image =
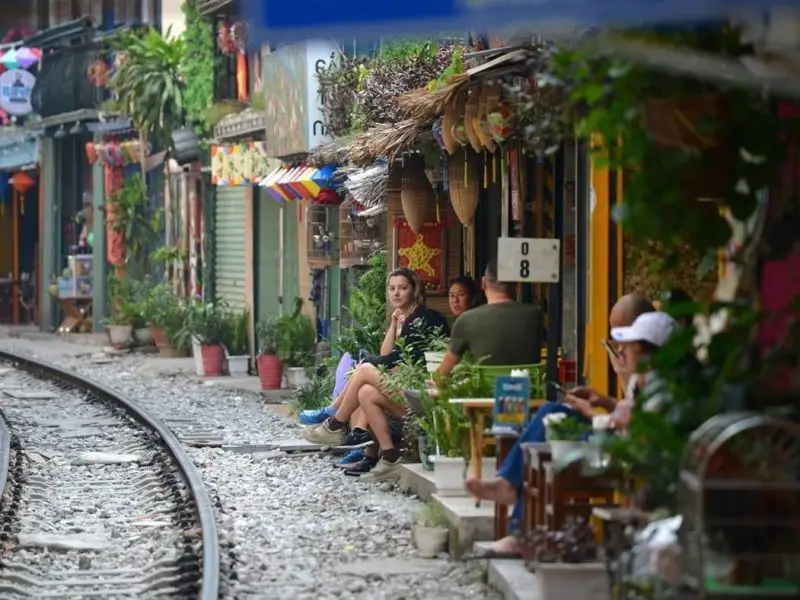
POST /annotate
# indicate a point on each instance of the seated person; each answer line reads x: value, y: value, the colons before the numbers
x: 411, y: 320
x: 463, y: 295
x: 500, y: 332
x: 580, y: 403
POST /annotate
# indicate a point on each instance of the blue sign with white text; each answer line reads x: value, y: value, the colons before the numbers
x: 511, y: 404
x: 280, y: 21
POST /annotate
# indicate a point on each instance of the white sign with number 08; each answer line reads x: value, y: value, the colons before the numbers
x: 528, y: 260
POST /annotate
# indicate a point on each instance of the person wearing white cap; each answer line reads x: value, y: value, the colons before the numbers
x: 648, y: 333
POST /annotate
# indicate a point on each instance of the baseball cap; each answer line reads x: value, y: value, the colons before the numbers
x: 653, y: 327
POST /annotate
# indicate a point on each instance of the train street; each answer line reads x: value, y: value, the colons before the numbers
x: 286, y: 522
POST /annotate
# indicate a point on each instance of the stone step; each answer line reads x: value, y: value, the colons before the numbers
x: 513, y: 581
x: 469, y: 523
x: 415, y: 479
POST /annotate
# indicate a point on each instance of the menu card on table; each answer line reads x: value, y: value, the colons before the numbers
x: 511, y: 399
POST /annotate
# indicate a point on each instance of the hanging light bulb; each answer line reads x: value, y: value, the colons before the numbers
x: 60, y: 133
x: 77, y: 129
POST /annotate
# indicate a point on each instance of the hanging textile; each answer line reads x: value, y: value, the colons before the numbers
x: 116, y: 240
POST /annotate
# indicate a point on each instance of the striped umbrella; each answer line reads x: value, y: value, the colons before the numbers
x: 27, y: 57
x: 9, y: 60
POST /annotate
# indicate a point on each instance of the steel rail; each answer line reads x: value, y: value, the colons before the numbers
x: 5, y: 454
x: 210, y: 581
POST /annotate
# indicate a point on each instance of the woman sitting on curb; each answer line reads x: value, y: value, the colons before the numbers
x: 410, y: 321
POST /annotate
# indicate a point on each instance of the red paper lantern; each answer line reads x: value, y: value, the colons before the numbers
x: 328, y: 197
x: 22, y: 182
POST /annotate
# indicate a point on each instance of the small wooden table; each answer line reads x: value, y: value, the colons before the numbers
x: 478, y: 411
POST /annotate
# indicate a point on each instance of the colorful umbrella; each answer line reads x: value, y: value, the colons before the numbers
x: 27, y: 57
x: 9, y: 60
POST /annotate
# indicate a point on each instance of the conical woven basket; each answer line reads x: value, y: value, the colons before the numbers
x: 452, y: 114
x: 464, y: 184
x: 470, y: 116
x: 481, y: 123
x: 416, y: 194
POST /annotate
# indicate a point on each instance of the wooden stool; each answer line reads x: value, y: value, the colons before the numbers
x: 536, y: 456
x: 569, y: 492
x: 503, y: 445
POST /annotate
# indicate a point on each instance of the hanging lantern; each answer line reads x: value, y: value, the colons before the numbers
x: 22, y: 182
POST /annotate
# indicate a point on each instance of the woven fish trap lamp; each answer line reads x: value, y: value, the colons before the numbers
x: 416, y: 193
x: 463, y: 179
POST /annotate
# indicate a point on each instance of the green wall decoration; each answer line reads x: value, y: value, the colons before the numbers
x: 198, y: 68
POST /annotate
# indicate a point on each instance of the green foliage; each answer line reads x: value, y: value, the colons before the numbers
x: 137, y: 222
x: 149, y: 83
x: 213, y: 114
x: 129, y: 298
x: 269, y: 336
x: 432, y: 514
x: 313, y: 394
x: 198, y: 67
x: 456, y: 67
x: 239, y: 327
x: 566, y: 428
x: 297, y: 337
x: 367, y: 311
x: 207, y: 321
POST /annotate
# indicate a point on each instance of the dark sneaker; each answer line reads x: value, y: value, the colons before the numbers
x: 365, y: 466
x: 358, y: 438
x: 350, y: 460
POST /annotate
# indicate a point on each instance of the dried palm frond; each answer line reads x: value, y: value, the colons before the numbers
x: 331, y: 151
x: 425, y: 105
x: 368, y: 186
x: 384, y: 141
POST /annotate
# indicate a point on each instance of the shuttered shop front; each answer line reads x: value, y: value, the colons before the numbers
x: 229, y: 241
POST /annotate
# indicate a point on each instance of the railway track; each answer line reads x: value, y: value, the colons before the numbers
x: 99, y: 499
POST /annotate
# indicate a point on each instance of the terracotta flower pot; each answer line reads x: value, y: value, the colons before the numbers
x: 159, y: 337
x: 270, y: 372
x: 213, y: 358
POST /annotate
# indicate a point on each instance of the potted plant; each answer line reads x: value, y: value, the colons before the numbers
x: 209, y: 323
x: 430, y: 530
x: 298, y: 351
x: 446, y: 425
x: 270, y: 370
x: 119, y: 329
x: 565, y: 434
x: 434, y: 355
x: 566, y: 562
x: 239, y: 345
x: 165, y: 315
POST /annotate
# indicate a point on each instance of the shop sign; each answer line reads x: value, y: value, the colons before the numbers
x: 319, y: 54
x: 528, y: 260
x: 16, y: 86
x: 282, y: 22
x: 239, y: 164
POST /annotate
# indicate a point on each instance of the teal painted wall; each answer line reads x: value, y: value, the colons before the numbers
x: 266, y: 255
x: 291, y: 271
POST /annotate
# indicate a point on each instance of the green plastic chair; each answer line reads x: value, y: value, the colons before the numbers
x: 537, y: 373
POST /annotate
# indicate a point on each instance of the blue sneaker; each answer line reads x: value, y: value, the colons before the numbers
x: 350, y: 460
x: 315, y: 417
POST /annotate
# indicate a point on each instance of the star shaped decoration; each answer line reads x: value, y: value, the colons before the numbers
x: 419, y: 256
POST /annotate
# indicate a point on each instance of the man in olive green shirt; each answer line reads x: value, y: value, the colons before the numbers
x: 501, y: 332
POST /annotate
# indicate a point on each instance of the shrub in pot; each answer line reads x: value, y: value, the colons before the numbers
x: 270, y: 370
x: 119, y: 329
x: 164, y: 314
x: 210, y: 324
x: 299, y: 343
x: 430, y: 530
x: 567, y: 562
x: 566, y: 435
x: 239, y: 345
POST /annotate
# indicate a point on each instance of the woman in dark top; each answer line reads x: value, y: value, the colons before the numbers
x: 412, y: 322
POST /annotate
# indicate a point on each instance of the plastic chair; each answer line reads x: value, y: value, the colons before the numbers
x: 536, y: 371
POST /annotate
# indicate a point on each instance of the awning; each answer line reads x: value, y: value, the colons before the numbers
x: 239, y: 164
x: 298, y: 182
x: 19, y: 154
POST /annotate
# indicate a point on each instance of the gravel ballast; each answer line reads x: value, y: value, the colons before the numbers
x: 292, y: 527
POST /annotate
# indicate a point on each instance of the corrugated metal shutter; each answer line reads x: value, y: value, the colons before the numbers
x: 229, y: 262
